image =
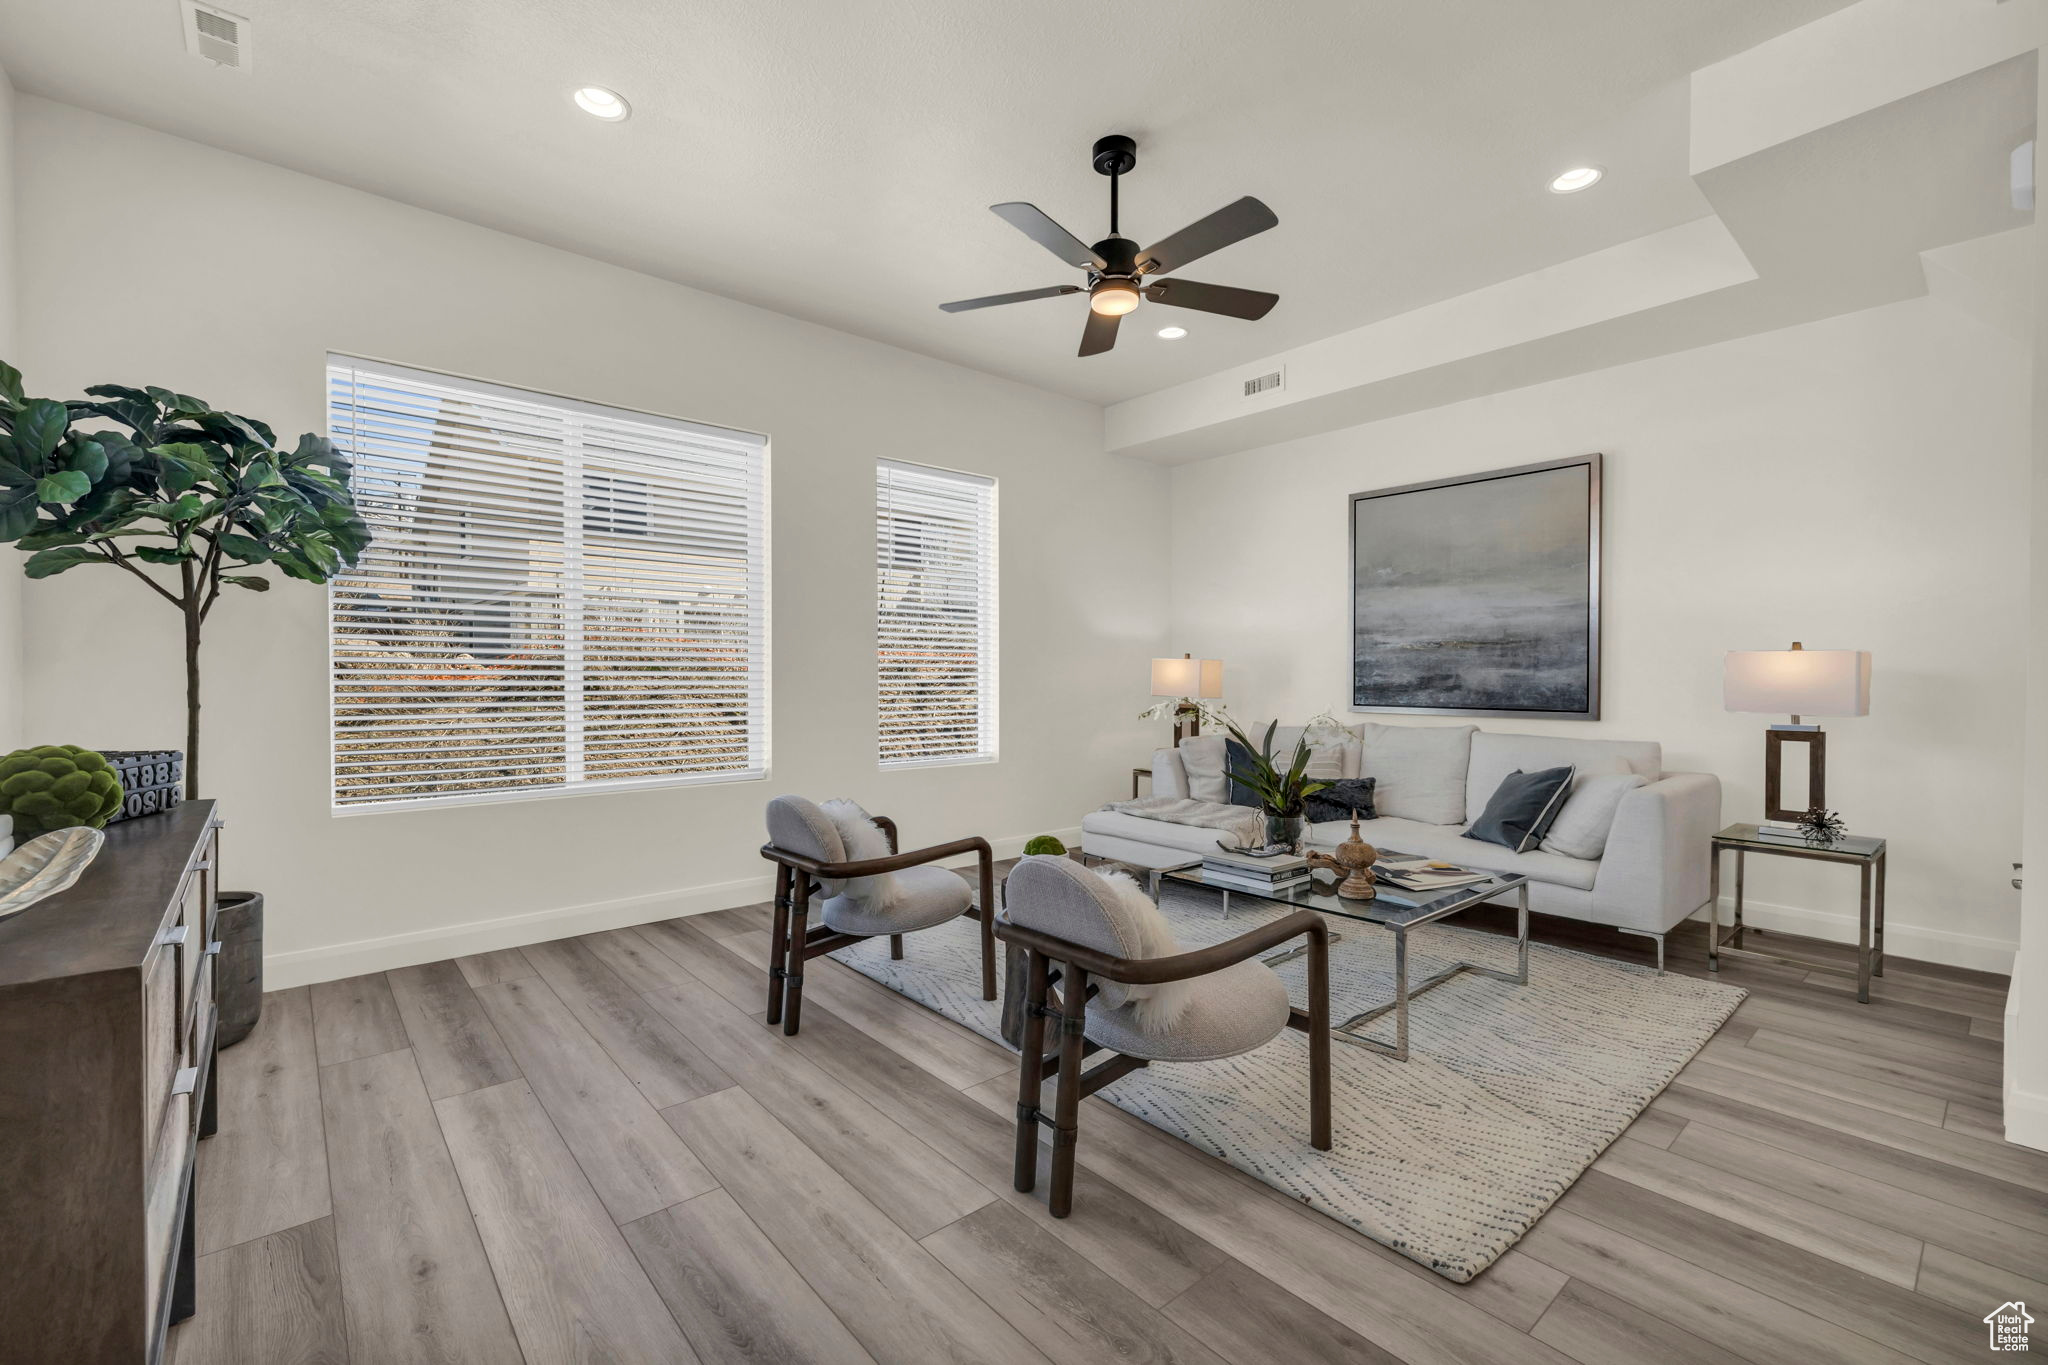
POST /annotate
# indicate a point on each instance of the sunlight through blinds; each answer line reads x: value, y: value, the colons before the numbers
x: 935, y: 615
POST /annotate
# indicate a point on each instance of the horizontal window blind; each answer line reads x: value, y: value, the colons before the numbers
x: 935, y: 617
x: 558, y: 596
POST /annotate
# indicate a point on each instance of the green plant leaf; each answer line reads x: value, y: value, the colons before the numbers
x: 89, y: 458
x: 244, y: 548
x: 66, y: 485
x: 51, y: 539
x: 10, y: 383
x: 183, y: 465
x: 38, y: 428
x: 249, y: 581
x: 262, y: 474
x: 14, y: 476
x: 158, y: 554
x: 46, y: 562
x: 18, y: 510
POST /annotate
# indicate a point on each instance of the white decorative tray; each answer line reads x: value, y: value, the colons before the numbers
x: 46, y: 865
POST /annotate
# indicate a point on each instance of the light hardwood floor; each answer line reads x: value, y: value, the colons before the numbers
x: 593, y: 1150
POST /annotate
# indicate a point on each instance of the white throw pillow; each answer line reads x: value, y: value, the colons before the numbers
x: 1580, y: 829
x: 1419, y: 770
x: 1203, y: 758
x: 863, y: 839
x: 1154, y: 1008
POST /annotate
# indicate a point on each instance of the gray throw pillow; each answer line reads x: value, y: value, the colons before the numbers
x: 1581, y: 828
x: 1202, y: 757
x: 1420, y: 770
x: 1522, y: 808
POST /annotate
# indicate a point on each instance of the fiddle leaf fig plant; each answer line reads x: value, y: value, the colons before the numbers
x: 147, y: 480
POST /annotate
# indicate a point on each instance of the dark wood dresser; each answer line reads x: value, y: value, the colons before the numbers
x: 106, y: 1085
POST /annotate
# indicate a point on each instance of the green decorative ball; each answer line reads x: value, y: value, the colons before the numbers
x: 57, y: 786
x: 1045, y: 843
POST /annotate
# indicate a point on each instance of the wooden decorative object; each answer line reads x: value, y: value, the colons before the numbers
x: 1816, y: 742
x: 1355, y: 858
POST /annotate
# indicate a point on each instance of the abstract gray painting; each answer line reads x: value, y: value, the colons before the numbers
x: 1481, y: 595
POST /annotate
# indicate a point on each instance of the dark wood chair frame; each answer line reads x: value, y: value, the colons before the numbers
x: 793, y: 940
x: 1076, y: 975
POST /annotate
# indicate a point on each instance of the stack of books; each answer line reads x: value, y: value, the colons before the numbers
x: 1250, y: 872
x: 1780, y: 832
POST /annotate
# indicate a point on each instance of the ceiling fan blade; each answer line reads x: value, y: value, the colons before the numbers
x: 1021, y: 296
x: 1099, y: 335
x: 1031, y: 220
x: 1250, y: 304
x: 1231, y: 223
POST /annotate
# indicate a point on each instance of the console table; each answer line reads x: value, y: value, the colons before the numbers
x: 1864, y: 853
x: 107, y: 1083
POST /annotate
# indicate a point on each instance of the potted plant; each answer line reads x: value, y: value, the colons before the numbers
x: 128, y: 478
x: 188, y: 500
x: 1280, y: 791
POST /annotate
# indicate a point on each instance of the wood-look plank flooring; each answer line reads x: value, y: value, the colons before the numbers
x: 594, y: 1150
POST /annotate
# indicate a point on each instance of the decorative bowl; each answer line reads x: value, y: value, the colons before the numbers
x: 46, y: 865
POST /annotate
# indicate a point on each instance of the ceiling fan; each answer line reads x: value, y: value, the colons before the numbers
x: 1120, y: 273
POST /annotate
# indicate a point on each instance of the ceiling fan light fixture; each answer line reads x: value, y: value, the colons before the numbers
x: 1576, y: 179
x: 599, y: 102
x: 1113, y: 298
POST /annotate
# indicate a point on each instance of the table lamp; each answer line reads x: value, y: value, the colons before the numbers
x: 1796, y: 682
x: 1187, y: 678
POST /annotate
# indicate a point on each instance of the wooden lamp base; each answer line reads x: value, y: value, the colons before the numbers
x: 1816, y: 742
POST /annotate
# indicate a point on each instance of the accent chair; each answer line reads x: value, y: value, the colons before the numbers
x: 811, y: 862
x: 1059, y: 912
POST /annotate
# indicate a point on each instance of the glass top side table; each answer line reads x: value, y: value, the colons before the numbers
x: 1866, y: 853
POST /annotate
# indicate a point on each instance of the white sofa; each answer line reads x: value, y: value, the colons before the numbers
x: 1653, y: 873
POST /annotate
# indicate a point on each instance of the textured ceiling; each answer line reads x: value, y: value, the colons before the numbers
x: 835, y: 161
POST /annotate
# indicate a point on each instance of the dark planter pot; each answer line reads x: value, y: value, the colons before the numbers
x: 238, y: 971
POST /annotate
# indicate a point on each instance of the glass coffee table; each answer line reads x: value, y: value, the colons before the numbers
x: 1320, y: 893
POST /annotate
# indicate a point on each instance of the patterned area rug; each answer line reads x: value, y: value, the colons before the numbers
x: 1508, y: 1094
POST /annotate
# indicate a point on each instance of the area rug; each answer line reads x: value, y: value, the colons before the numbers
x: 1509, y: 1092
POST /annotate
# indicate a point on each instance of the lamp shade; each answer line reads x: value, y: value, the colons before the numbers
x: 1187, y: 677
x: 1797, y: 682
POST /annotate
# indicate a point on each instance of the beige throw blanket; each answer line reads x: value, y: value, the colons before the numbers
x: 1244, y: 824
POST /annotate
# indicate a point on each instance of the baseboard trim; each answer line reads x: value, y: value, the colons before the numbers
x: 2026, y: 1118
x: 331, y: 962
x: 1943, y: 946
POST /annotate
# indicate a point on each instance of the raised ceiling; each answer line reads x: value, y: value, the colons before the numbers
x: 834, y: 161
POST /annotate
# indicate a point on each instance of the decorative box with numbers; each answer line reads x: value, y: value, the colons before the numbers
x: 152, y: 780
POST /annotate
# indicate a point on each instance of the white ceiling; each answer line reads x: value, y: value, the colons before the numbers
x: 834, y: 160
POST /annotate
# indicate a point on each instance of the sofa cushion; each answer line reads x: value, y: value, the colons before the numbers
x: 1449, y: 844
x: 1203, y: 759
x: 1580, y: 829
x: 1519, y: 812
x: 1419, y: 770
x: 1495, y: 755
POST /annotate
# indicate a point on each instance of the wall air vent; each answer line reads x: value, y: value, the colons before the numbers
x: 1265, y: 383
x: 216, y: 35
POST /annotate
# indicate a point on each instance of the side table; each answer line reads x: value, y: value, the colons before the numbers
x: 1866, y: 853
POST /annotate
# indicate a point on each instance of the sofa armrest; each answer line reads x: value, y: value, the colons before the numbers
x: 1169, y: 775
x: 1657, y: 866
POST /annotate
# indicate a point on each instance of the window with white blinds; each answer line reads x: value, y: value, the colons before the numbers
x: 935, y: 615
x: 559, y: 597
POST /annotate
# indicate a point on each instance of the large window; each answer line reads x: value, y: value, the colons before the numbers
x: 935, y: 614
x: 560, y: 597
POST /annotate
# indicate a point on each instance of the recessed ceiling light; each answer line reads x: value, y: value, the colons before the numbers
x: 1576, y: 179
x: 1173, y: 333
x: 599, y: 102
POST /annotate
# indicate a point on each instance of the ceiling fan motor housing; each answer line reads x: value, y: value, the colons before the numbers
x: 1115, y: 154
x: 1119, y: 256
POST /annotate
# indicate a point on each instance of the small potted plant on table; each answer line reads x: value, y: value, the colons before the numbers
x: 1279, y: 791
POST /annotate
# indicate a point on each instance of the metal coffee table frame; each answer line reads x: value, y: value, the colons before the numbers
x: 1321, y: 896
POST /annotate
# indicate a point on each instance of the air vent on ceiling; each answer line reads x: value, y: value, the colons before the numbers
x: 215, y: 34
x: 1265, y: 383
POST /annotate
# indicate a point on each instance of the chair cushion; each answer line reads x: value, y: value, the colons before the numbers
x: 921, y: 897
x: 802, y: 827
x: 1448, y: 843
x: 863, y: 840
x: 1107, y: 912
x: 1419, y: 770
x: 1227, y: 1012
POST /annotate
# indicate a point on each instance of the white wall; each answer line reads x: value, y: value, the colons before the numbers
x: 10, y: 583
x: 235, y: 282
x: 1857, y: 483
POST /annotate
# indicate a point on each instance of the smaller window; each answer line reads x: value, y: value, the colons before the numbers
x: 935, y: 615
